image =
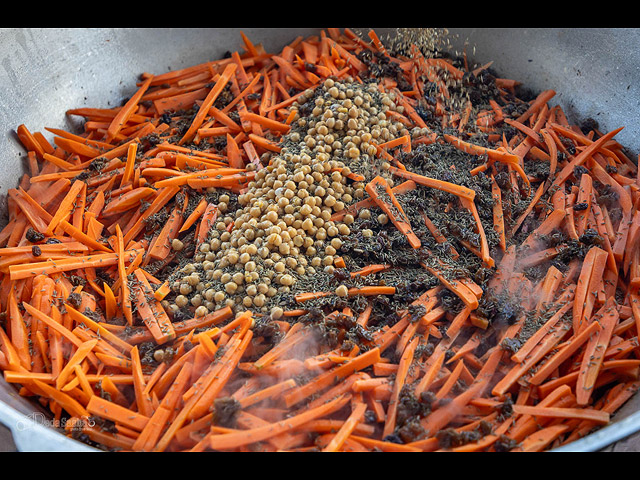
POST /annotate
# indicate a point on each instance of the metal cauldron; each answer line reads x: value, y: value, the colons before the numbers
x: 595, y: 72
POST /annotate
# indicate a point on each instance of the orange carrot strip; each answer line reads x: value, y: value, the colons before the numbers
x: 393, y: 211
x: 341, y: 436
x: 127, y: 200
x: 594, y: 352
x: 325, y: 379
x: 237, y: 439
x: 213, y: 94
x: 401, y: 375
x: 151, y: 311
x: 66, y: 206
x: 126, y: 112
x: 582, y: 157
x: 112, y: 411
x: 452, y: 188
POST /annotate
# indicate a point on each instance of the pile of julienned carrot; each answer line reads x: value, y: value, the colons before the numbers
x: 104, y: 218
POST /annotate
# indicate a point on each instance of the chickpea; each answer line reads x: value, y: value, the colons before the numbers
x: 287, y: 280
x: 365, y: 214
x: 209, y: 294
x: 344, y: 229
x: 259, y: 300
x: 159, y: 355
x: 276, y: 313
x: 232, y: 258
x: 251, y: 290
x: 177, y: 245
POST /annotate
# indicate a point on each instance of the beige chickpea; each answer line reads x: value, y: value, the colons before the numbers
x: 364, y: 214
x: 231, y: 287
x: 342, y: 291
x: 181, y: 301
x: 276, y: 313
x: 284, y: 249
x: 177, y: 245
x: 232, y: 257
x: 287, y: 280
x: 330, y: 200
x: 259, y: 300
x: 344, y: 229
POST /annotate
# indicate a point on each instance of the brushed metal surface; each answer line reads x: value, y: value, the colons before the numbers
x: 45, y: 71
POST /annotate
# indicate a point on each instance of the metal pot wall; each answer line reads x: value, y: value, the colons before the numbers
x: 46, y: 71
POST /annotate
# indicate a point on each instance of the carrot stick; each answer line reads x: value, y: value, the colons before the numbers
x: 582, y: 157
x: 498, y: 213
x: 325, y: 379
x: 401, y: 374
x: 125, y: 113
x: 597, y: 416
x: 347, y: 428
x: 111, y: 411
x: 194, y: 216
x: 152, y: 313
x: 213, y: 94
x: 394, y: 211
x: 65, y: 207
x: 454, y: 189
x: 158, y: 419
x: 237, y: 439
x: 594, y: 353
x: 542, y: 438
